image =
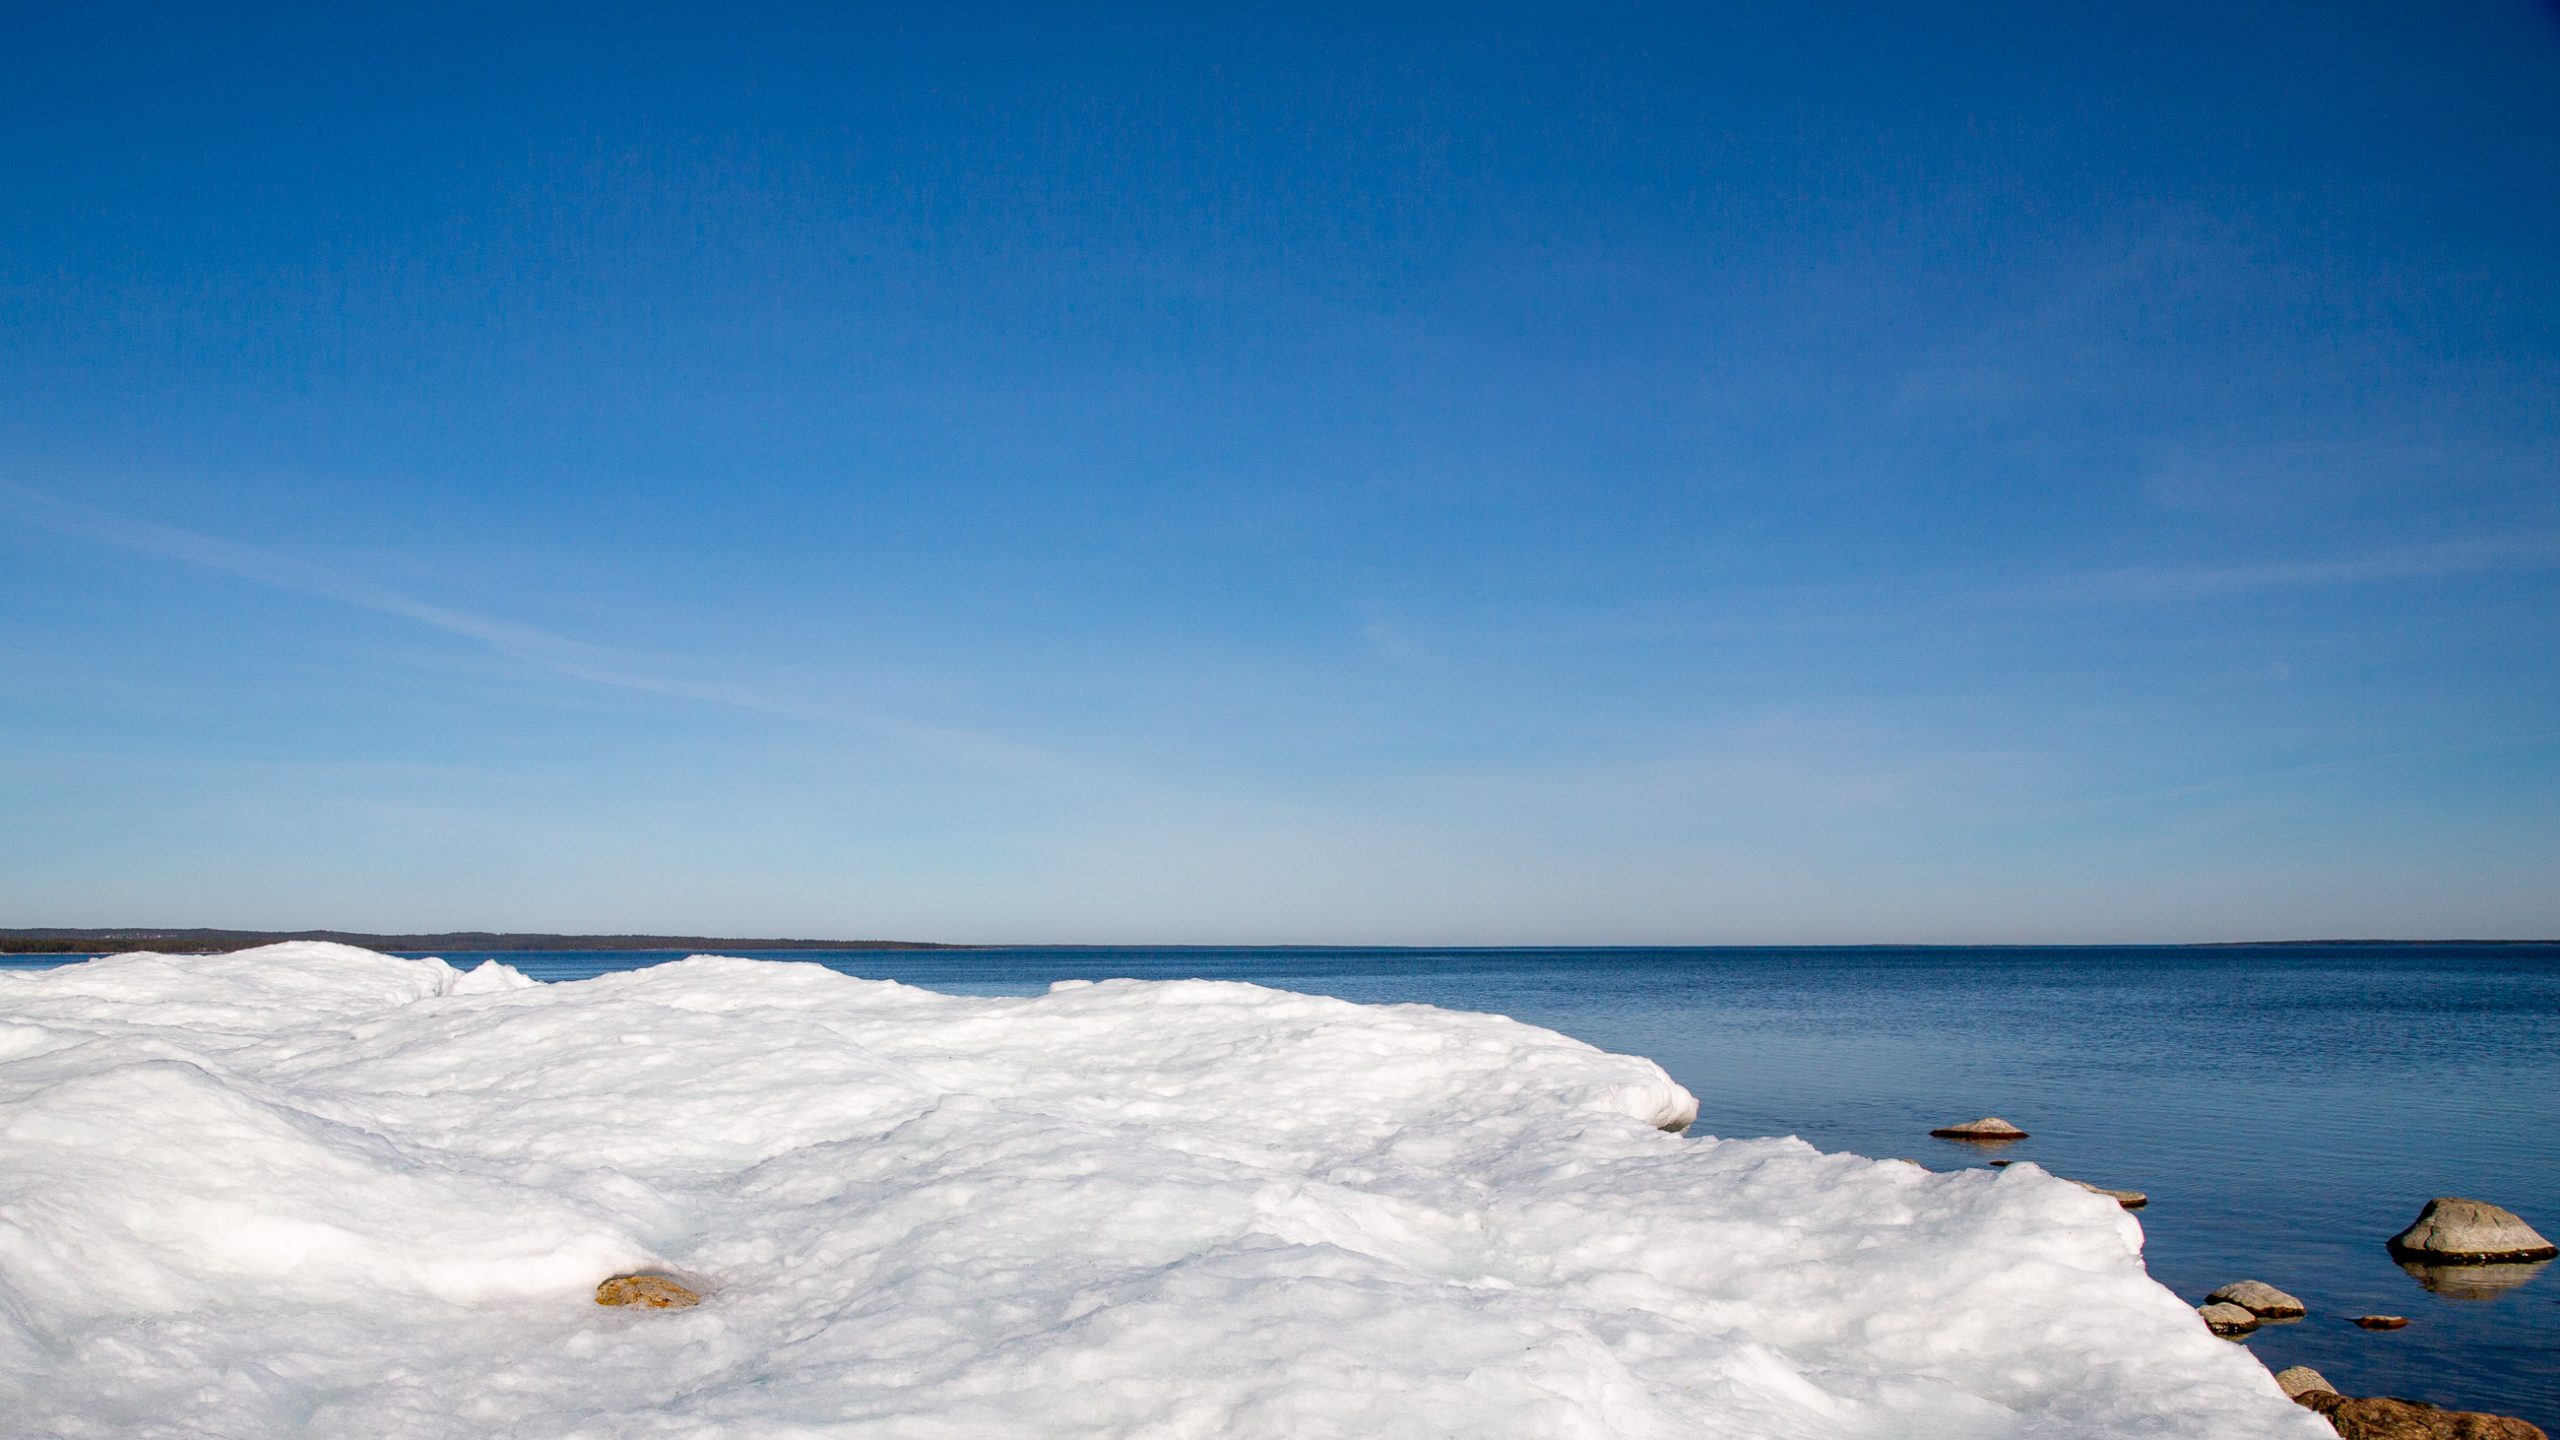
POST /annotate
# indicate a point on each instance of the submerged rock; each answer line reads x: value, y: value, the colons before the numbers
x: 2452, y: 1230
x: 2260, y: 1299
x: 1989, y: 1127
x: 2224, y: 1318
x: 649, y: 1292
x: 2301, y: 1380
x: 2383, y: 1418
x: 2129, y: 1199
x: 2383, y: 1322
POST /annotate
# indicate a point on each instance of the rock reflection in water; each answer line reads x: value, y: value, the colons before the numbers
x: 2473, y: 1282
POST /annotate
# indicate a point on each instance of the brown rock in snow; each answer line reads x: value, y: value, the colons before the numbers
x: 649, y: 1292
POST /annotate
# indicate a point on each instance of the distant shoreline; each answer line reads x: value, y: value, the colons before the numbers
x: 216, y: 942
x: 67, y: 941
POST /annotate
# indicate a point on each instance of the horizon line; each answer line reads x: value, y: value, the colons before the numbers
x: 512, y: 942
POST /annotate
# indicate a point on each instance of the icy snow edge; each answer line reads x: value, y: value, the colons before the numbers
x: 313, y: 1190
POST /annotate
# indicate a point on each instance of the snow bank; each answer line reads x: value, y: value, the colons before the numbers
x: 311, y: 1190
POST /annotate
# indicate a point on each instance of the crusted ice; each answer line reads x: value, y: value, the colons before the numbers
x: 310, y: 1190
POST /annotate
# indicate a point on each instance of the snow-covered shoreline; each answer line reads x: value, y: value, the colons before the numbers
x: 312, y: 1190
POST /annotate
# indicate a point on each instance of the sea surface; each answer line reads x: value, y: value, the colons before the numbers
x: 2286, y: 1108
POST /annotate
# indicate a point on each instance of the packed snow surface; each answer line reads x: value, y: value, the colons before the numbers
x: 311, y: 1190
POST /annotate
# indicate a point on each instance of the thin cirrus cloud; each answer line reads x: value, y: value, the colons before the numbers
x: 540, y: 649
x: 2170, y: 583
x: 528, y: 645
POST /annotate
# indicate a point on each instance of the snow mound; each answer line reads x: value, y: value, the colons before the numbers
x: 311, y: 1190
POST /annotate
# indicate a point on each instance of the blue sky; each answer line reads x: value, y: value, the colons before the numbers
x: 1653, y: 473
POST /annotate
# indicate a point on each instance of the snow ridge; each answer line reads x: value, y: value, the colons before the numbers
x: 313, y: 1190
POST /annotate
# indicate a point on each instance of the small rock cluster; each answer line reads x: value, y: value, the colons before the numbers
x: 2451, y: 1235
x: 2452, y: 1238
x: 2240, y: 1307
x: 2383, y: 1418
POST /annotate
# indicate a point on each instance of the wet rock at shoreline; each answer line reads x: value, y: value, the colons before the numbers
x: 648, y: 1292
x: 2456, y: 1231
x: 2129, y: 1199
x: 2301, y: 1380
x: 1989, y: 1127
x: 2260, y: 1299
x: 2223, y: 1318
x: 2383, y: 1418
x: 2383, y: 1322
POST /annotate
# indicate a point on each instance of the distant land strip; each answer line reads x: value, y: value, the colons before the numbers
x: 216, y: 942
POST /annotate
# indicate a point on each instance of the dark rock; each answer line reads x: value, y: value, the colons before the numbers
x: 2455, y: 1231
x: 2382, y: 1418
x: 2129, y: 1199
x: 2383, y: 1322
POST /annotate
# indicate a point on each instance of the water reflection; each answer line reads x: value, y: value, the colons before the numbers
x: 2473, y: 1282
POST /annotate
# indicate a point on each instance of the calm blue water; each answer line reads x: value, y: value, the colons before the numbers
x: 2286, y: 1108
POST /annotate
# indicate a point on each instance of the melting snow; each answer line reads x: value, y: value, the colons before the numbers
x: 311, y: 1190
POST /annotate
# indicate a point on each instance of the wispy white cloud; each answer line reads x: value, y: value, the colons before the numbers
x: 543, y: 650
x: 2056, y: 333
x: 530, y: 645
x: 2411, y: 562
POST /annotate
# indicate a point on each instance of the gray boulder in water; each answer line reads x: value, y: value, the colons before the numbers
x: 2452, y: 1230
x: 2260, y: 1299
x: 1989, y: 1127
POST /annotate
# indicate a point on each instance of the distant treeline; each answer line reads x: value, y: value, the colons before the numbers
x: 215, y: 942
